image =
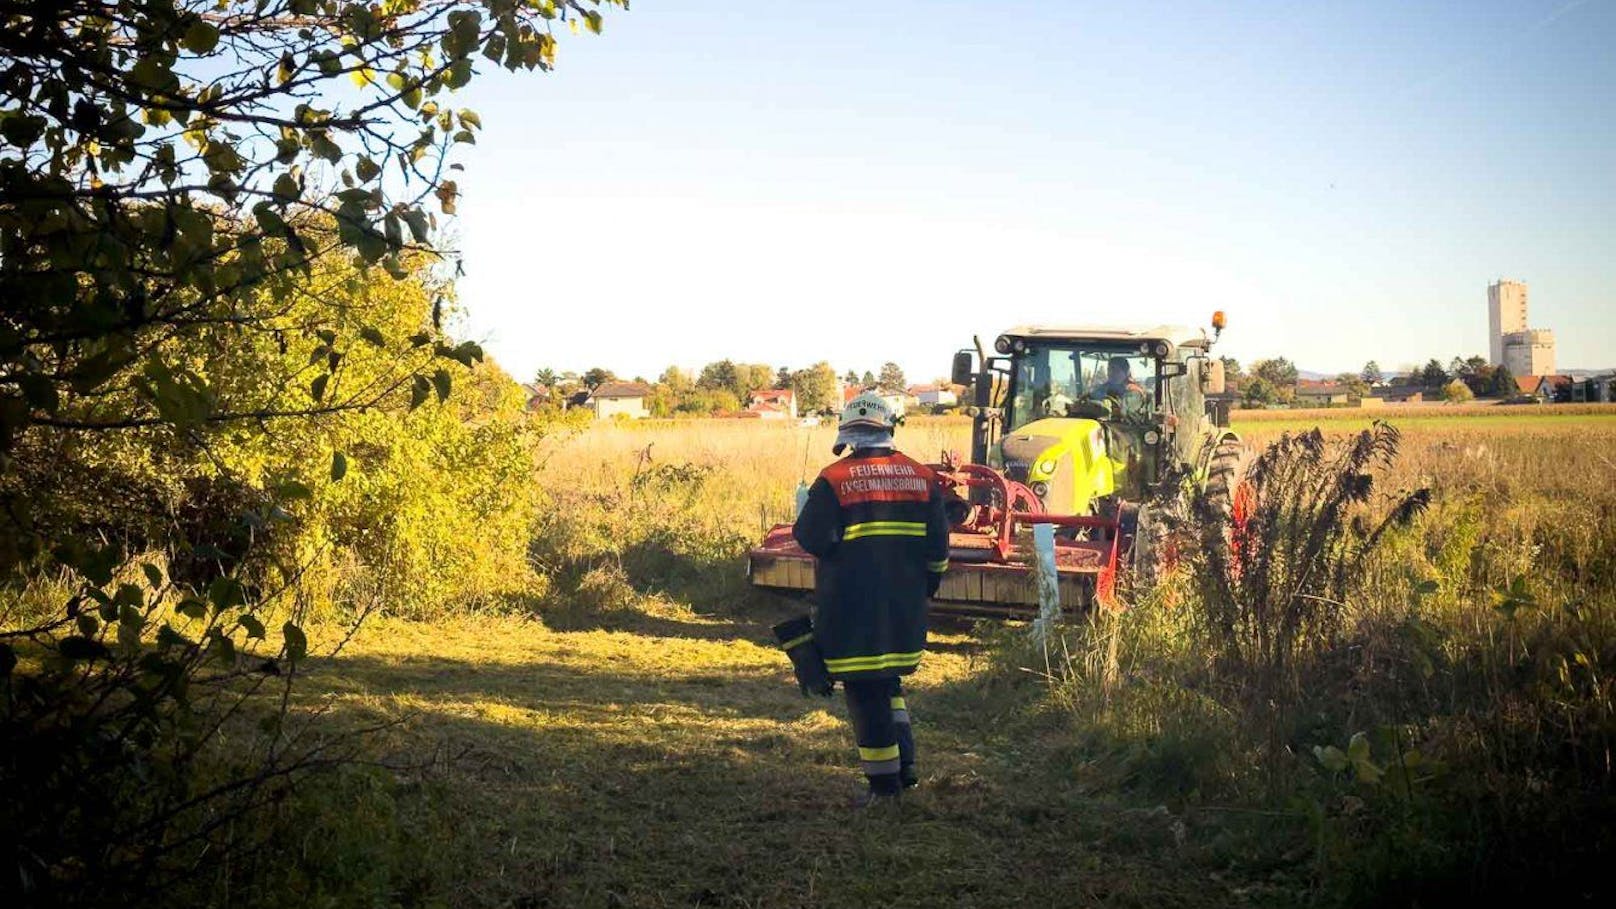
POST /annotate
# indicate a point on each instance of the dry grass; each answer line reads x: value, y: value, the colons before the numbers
x: 1425, y: 410
x: 647, y: 748
x: 674, y: 764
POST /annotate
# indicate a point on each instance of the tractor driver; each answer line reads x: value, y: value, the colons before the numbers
x: 1119, y: 384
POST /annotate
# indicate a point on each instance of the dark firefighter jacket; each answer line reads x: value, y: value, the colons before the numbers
x: 875, y: 522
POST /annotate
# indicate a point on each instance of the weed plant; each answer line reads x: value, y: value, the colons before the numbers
x: 1424, y: 720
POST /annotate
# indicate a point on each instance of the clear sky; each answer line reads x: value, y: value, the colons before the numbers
x: 782, y: 182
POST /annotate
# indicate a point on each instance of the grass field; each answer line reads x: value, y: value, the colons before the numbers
x: 676, y: 765
x: 631, y: 739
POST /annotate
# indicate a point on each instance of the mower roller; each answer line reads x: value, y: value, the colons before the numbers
x: 1111, y: 435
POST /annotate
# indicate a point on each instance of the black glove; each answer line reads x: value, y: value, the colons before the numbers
x: 796, y: 638
x: 934, y: 580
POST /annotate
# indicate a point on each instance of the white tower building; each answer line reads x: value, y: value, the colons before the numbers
x: 1506, y: 314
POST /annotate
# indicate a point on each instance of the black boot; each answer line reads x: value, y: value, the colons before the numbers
x: 883, y: 790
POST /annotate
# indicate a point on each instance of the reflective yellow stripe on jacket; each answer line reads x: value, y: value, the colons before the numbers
x: 867, y: 663
x: 884, y: 529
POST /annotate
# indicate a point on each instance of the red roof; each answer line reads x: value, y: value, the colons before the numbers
x: 774, y: 394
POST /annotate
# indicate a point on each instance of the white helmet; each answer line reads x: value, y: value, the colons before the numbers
x: 867, y: 422
x: 869, y: 409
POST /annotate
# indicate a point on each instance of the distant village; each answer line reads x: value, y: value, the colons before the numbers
x: 735, y: 390
x: 1520, y: 369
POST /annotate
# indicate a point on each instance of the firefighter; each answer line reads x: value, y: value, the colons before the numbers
x: 875, y: 522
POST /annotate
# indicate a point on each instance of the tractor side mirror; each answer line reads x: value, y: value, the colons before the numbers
x: 961, y: 374
x: 1212, y: 380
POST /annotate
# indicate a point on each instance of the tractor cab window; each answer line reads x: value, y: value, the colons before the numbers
x: 1079, y: 380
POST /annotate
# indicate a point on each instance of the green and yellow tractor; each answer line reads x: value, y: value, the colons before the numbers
x: 1110, y: 434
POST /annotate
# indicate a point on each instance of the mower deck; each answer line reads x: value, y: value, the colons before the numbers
x: 976, y: 583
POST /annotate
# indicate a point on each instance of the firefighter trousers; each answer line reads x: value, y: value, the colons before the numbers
x: 886, y: 741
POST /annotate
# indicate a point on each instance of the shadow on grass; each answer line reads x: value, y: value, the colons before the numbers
x: 641, y: 620
x: 568, y: 785
x: 542, y: 690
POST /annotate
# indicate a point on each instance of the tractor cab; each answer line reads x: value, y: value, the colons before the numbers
x: 1083, y: 415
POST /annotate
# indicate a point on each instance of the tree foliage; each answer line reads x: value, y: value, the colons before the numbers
x: 1259, y: 392
x: 892, y: 379
x: 1457, y: 392
x: 165, y: 162
x: 1278, y: 372
x: 188, y: 562
x: 227, y: 392
x: 1433, y: 375
x: 1353, y: 383
x: 815, y: 388
x: 1503, y: 384
x: 739, y: 379
x: 717, y: 375
x: 677, y: 380
x: 1371, y: 373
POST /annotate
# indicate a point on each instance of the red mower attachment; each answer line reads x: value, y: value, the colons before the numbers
x: 992, y: 568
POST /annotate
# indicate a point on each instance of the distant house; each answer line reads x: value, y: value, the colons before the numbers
x: 774, y: 404
x: 1322, y: 394
x: 1400, y: 394
x: 613, y: 399
x: 537, y: 395
x: 1539, y: 387
x: 761, y: 411
x: 1593, y: 390
x: 934, y: 395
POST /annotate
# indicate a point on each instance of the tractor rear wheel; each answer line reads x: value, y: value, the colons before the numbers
x: 1155, y: 549
x: 1224, y: 476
